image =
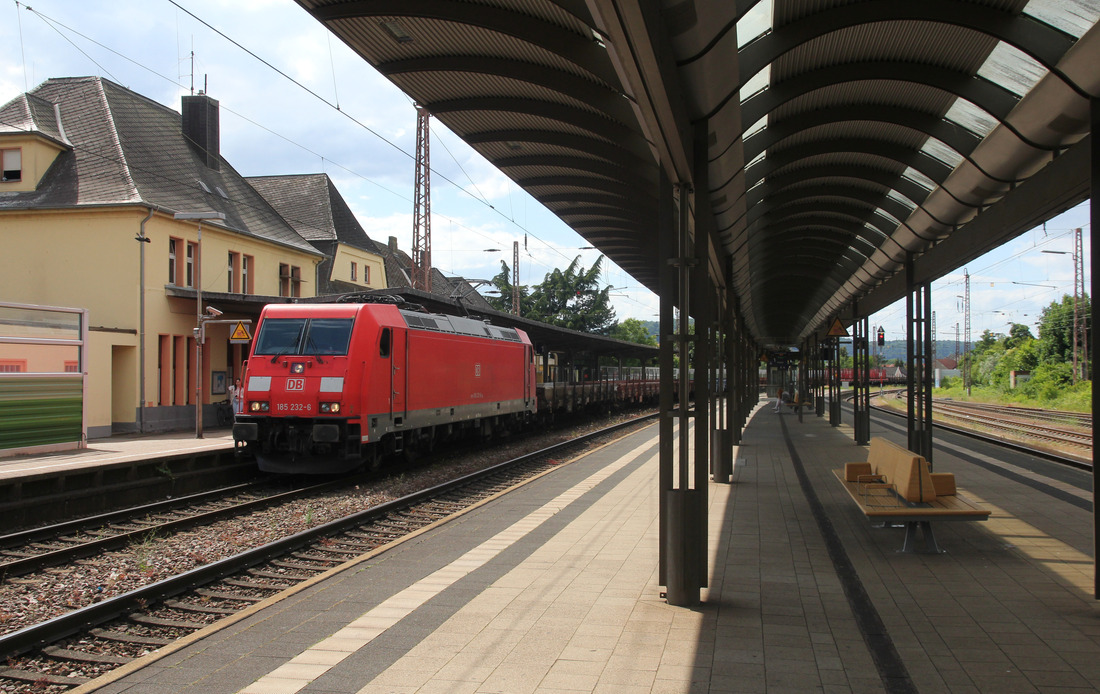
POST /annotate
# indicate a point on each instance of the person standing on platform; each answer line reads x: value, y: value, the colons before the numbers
x: 235, y: 395
x: 778, y: 399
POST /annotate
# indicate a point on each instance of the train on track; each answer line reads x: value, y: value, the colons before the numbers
x: 330, y: 388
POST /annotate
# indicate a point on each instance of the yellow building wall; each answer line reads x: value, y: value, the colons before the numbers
x: 88, y: 258
x: 346, y: 255
x: 37, y: 155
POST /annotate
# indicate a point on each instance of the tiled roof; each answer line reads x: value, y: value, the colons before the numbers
x: 128, y: 149
x: 314, y: 207
x: 30, y: 113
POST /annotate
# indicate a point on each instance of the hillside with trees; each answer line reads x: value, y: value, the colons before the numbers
x: 1048, y: 358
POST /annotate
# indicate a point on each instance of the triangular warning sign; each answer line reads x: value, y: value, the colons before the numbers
x: 837, y: 330
x: 240, y: 332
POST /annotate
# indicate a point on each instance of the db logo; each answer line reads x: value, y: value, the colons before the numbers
x: 295, y: 384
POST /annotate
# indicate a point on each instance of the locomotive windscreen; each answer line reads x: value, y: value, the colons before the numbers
x: 279, y: 336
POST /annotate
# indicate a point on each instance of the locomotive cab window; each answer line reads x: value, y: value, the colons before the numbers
x: 327, y: 336
x: 384, y: 344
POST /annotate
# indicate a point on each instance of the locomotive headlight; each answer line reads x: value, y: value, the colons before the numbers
x: 298, y: 367
x: 330, y: 407
x: 258, y: 406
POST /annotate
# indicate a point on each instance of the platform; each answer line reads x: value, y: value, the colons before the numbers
x: 553, y: 588
x: 124, y: 448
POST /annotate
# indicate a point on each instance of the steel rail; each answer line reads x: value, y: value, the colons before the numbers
x: 18, y: 642
x: 25, y: 565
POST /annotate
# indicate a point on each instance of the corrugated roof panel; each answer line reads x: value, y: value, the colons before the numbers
x: 439, y: 39
x: 853, y: 130
x: 928, y: 43
x: 466, y: 122
x: 443, y: 86
x: 918, y: 97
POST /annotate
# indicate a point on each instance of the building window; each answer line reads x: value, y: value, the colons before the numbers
x: 353, y: 273
x: 246, y: 274
x: 13, y: 164
x: 366, y: 274
x: 232, y: 271
x: 189, y: 279
x: 13, y: 366
x: 290, y: 280
x: 72, y: 367
x: 172, y: 246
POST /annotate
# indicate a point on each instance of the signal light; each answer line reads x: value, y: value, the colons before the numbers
x: 330, y: 407
x: 258, y: 406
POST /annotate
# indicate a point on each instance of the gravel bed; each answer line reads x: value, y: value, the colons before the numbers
x: 34, y: 598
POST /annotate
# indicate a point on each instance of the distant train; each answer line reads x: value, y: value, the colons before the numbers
x: 884, y: 375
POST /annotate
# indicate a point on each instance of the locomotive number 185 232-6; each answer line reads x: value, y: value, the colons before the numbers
x: 293, y: 407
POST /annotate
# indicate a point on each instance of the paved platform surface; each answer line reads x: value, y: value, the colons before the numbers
x: 123, y: 448
x: 552, y: 588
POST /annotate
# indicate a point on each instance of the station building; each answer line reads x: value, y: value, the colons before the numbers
x: 94, y: 175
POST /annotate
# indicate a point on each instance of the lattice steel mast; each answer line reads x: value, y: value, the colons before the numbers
x: 422, y: 206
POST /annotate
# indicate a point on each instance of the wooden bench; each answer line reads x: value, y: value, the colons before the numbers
x: 895, y: 485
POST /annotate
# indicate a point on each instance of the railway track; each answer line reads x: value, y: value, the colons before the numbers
x: 1067, y: 434
x: 35, y: 549
x: 1006, y: 421
x: 78, y: 646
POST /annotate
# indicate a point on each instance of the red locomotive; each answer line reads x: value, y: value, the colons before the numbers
x: 330, y: 387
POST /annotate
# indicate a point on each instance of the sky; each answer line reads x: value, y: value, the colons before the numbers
x: 302, y: 102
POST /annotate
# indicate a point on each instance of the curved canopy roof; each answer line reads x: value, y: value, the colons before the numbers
x: 826, y: 141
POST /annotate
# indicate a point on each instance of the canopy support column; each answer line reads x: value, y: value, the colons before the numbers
x: 918, y: 362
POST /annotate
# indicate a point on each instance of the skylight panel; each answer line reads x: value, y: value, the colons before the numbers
x: 1012, y: 69
x: 757, y: 159
x: 969, y: 116
x: 1074, y: 17
x: 756, y: 22
x: 901, y: 199
x: 937, y: 149
x: 757, y: 83
x: 757, y: 127
x: 919, y: 178
x: 883, y: 213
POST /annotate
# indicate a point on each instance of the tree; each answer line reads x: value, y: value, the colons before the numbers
x: 1018, y: 335
x: 1056, y: 330
x: 503, y: 283
x: 632, y: 330
x: 572, y: 299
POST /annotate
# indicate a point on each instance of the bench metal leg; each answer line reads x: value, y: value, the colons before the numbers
x: 910, y: 543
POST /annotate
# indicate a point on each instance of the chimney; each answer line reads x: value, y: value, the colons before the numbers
x: 200, y: 128
x: 393, y: 244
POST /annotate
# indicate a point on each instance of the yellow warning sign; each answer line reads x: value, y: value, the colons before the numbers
x: 240, y: 332
x: 837, y: 330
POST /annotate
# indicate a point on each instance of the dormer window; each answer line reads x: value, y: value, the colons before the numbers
x: 13, y: 165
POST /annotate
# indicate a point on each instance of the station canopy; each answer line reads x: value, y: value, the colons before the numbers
x: 825, y: 142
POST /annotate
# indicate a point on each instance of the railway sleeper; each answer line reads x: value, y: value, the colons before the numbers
x: 294, y: 565
x: 42, y: 678
x: 150, y: 620
x: 274, y: 574
x: 218, y: 595
x: 192, y: 607
x: 108, y: 635
x: 332, y: 561
x: 84, y: 657
x: 255, y: 585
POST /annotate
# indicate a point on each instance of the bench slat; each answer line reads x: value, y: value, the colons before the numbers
x: 879, y: 502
